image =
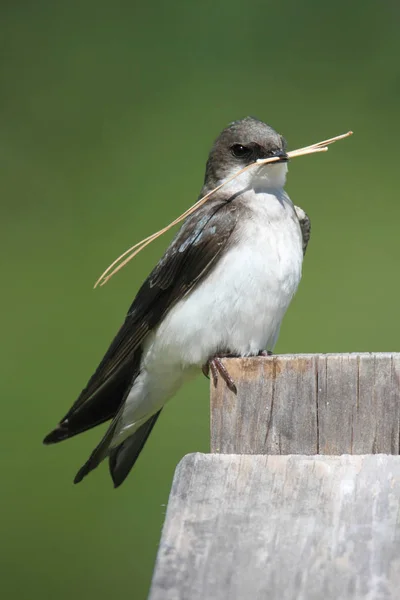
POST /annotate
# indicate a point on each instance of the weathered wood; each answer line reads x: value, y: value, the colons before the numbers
x: 282, y: 528
x: 308, y: 404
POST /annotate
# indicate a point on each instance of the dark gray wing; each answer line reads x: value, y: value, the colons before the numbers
x: 188, y: 259
x: 305, y: 226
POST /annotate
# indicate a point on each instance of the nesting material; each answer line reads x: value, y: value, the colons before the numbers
x: 124, y: 258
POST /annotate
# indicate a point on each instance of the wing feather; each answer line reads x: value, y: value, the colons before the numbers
x: 305, y: 226
x: 190, y: 256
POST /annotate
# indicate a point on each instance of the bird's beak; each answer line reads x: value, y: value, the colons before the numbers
x: 282, y: 155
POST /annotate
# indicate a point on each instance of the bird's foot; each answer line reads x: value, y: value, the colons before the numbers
x: 265, y: 353
x: 216, y: 367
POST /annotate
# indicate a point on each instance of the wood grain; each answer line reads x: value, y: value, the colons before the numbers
x: 282, y: 528
x: 308, y: 404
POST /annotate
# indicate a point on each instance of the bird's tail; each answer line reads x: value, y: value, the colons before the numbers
x: 124, y: 456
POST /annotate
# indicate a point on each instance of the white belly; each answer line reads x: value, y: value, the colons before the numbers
x: 239, y: 306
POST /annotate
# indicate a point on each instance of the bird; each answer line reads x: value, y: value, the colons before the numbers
x: 221, y: 289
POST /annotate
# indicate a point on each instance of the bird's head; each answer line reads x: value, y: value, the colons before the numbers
x: 240, y: 144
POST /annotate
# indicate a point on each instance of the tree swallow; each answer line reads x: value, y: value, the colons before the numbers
x: 221, y: 289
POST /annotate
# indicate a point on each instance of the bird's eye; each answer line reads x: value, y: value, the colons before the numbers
x: 240, y: 151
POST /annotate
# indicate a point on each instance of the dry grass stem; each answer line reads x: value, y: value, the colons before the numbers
x: 127, y: 256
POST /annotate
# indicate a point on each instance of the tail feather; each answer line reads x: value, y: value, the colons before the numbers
x: 99, y: 453
x: 124, y: 456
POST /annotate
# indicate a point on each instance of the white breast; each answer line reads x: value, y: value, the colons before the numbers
x: 239, y: 306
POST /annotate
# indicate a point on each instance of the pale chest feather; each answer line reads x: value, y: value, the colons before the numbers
x: 262, y: 271
x: 241, y: 302
x: 269, y: 252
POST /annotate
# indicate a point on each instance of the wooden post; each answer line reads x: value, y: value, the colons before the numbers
x: 300, y: 526
x: 308, y: 404
x: 281, y: 528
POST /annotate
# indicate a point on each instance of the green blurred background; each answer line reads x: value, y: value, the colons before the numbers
x: 107, y: 113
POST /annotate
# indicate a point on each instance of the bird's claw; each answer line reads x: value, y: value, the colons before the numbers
x: 216, y: 366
